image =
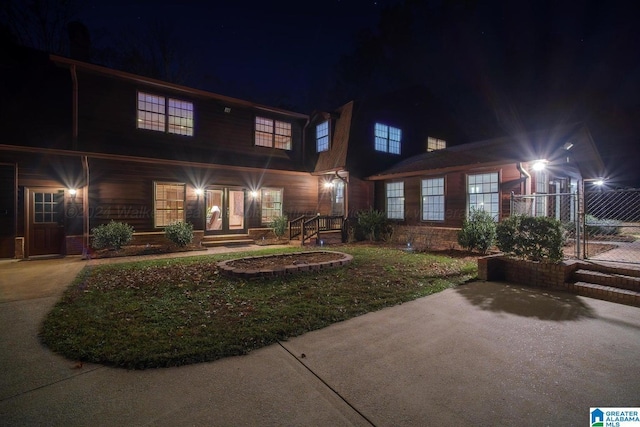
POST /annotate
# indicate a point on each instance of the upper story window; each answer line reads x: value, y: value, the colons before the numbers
x: 436, y: 144
x: 322, y: 136
x: 165, y: 114
x: 387, y: 138
x: 273, y: 133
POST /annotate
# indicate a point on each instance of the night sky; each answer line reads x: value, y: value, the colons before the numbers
x: 502, y: 66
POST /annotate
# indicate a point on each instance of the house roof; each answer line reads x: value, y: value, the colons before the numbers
x: 68, y: 62
x: 582, y: 156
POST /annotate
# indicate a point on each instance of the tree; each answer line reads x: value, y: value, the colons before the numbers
x: 40, y: 24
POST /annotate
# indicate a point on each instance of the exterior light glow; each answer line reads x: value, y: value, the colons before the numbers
x: 73, y: 192
x: 539, y: 165
x: 328, y: 184
x: 254, y: 194
x: 199, y: 191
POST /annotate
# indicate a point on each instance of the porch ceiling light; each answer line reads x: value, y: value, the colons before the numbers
x: 539, y: 165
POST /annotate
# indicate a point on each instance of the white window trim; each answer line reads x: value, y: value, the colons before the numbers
x: 165, y: 114
x: 496, y: 214
x: 325, y: 145
x: 264, y: 220
x: 273, y: 134
x: 426, y: 196
x: 397, y: 215
x: 155, y: 202
x: 382, y: 133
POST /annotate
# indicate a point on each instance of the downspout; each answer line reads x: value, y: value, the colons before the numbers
x: 84, y: 160
x: 74, y: 107
x: 527, y: 181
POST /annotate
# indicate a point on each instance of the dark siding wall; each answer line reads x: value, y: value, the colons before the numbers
x: 123, y: 191
x: 360, y: 195
x: 108, y: 109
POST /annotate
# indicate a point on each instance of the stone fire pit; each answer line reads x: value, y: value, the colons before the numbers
x: 281, y: 264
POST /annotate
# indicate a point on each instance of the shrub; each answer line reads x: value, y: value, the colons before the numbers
x: 279, y: 225
x: 373, y: 225
x: 532, y: 238
x: 478, y: 231
x: 113, y: 235
x: 180, y: 233
x: 601, y: 227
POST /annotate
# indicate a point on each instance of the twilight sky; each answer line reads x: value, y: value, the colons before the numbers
x: 516, y: 64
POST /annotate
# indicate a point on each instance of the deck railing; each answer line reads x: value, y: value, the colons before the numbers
x: 311, y: 226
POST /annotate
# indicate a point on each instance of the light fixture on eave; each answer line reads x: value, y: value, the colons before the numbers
x: 539, y: 165
x: 227, y: 110
x: 567, y: 145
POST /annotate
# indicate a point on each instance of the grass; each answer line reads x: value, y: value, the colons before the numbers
x: 172, y: 312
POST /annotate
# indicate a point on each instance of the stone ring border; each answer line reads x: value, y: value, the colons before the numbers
x: 230, y: 271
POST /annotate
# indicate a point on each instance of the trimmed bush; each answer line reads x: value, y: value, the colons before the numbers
x: 113, y: 235
x: 601, y: 227
x: 478, y: 231
x: 532, y: 238
x: 279, y: 225
x: 180, y: 233
x: 372, y: 225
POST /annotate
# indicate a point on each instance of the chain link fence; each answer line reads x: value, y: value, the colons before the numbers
x: 609, y: 229
x: 612, y: 225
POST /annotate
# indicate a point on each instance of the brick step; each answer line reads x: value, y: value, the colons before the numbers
x: 606, y: 293
x: 227, y: 240
x: 608, y: 279
x: 617, y: 269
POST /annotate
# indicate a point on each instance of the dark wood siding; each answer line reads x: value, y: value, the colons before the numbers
x: 123, y: 191
x: 109, y: 126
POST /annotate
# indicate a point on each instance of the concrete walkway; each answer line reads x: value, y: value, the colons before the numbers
x: 482, y: 354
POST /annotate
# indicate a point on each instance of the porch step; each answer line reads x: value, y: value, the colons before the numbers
x: 606, y: 293
x: 610, y: 283
x: 614, y: 280
x: 227, y: 240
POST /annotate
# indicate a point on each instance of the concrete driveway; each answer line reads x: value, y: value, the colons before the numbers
x: 482, y: 354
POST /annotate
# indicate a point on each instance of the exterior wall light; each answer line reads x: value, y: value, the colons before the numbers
x: 254, y: 194
x: 199, y: 191
x: 73, y: 192
x: 539, y: 165
x: 328, y: 184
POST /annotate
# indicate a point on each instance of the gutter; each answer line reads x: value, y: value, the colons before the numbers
x: 527, y: 180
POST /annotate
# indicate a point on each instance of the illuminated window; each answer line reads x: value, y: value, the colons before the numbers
x: 395, y: 200
x: 165, y: 114
x: 387, y: 138
x: 273, y: 133
x: 322, y: 136
x: 483, y: 193
x: 436, y: 144
x: 168, y: 203
x: 271, y: 200
x: 433, y: 199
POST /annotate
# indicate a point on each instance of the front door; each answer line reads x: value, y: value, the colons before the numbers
x: 225, y: 210
x: 46, y: 222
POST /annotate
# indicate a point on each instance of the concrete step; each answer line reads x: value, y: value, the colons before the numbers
x: 615, y: 280
x: 607, y: 293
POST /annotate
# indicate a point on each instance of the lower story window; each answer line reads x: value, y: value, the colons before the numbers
x: 271, y: 204
x: 395, y: 200
x: 168, y: 203
x: 433, y: 199
x: 484, y: 194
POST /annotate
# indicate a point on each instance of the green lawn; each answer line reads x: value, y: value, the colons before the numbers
x: 178, y: 311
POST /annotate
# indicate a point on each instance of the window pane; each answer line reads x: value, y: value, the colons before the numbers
x: 483, y: 193
x: 271, y: 200
x: 151, y: 112
x: 433, y: 199
x: 169, y: 204
x: 395, y: 200
x: 322, y: 136
x: 180, y: 117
